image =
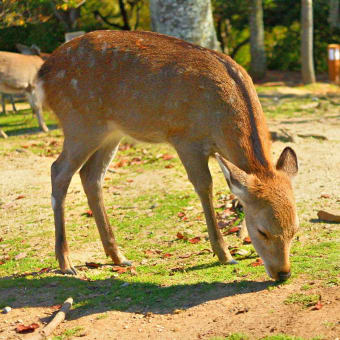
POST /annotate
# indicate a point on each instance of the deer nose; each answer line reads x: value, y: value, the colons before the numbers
x: 284, y: 276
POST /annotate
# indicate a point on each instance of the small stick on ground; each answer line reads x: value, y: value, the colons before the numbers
x: 56, y: 321
x: 3, y: 134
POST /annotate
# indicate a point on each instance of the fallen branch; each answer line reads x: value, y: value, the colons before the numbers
x: 56, y: 321
x: 329, y: 217
x: 3, y: 134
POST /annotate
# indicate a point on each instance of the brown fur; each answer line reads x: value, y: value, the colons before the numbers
x: 157, y: 88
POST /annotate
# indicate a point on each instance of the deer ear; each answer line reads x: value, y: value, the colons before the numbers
x: 236, y: 178
x: 287, y: 162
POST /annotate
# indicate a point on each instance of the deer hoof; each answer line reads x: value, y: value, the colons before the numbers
x: 69, y: 271
x: 232, y: 261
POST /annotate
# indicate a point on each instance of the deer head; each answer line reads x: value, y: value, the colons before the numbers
x: 270, y: 211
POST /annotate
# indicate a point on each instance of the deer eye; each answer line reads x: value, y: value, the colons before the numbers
x: 263, y: 234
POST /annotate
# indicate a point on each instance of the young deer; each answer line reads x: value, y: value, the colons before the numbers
x: 17, y: 73
x: 156, y: 88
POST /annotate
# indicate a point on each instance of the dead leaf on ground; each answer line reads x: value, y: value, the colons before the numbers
x: 88, y: 213
x: 195, y: 240
x: 233, y: 230
x: 44, y: 270
x: 258, y: 262
x: 92, y: 264
x: 166, y: 255
x: 119, y: 270
x: 325, y: 196
x: 22, y: 329
x: 169, y: 166
x: 180, y: 236
x: 181, y: 214
x: 1, y: 239
x: 246, y: 240
x: 167, y: 156
x: 56, y: 307
x: 317, y: 306
x: 203, y: 251
x: 20, y: 197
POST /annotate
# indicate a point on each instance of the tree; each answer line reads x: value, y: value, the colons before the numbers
x: 190, y: 20
x: 307, y: 61
x: 333, y: 16
x: 257, y: 51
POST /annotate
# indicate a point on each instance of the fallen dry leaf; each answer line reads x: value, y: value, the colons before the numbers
x: 195, y: 240
x: 119, y: 270
x: 181, y: 214
x: 1, y: 239
x: 180, y: 236
x: 44, y: 270
x: 88, y: 213
x: 166, y: 255
x: 233, y: 230
x: 317, y: 306
x: 258, y: 262
x: 325, y: 196
x: 247, y: 240
x: 20, y: 197
x: 92, y: 264
x: 167, y: 157
x: 169, y: 166
x: 56, y: 307
x: 130, y: 180
x: 22, y: 329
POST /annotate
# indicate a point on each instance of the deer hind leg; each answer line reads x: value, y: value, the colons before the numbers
x: 37, y: 110
x: 92, y: 174
x: 196, y: 165
x: 62, y: 170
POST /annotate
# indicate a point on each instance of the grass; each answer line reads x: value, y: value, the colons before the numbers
x: 240, y: 336
x: 304, y: 300
x: 146, y: 218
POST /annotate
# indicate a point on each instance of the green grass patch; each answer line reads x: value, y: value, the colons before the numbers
x: 304, y: 300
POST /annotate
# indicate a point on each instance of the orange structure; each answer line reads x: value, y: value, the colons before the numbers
x: 334, y: 63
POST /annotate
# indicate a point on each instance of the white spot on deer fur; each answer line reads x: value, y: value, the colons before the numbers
x: 232, y: 99
x: 99, y: 35
x: 104, y: 47
x: 61, y: 74
x: 53, y: 202
x: 240, y: 75
x: 74, y: 83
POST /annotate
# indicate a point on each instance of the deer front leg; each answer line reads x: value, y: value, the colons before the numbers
x: 196, y: 165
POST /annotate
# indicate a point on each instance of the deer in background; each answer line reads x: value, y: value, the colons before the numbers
x: 154, y: 88
x: 17, y: 73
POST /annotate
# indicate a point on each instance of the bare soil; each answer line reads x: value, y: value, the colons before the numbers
x: 255, y: 311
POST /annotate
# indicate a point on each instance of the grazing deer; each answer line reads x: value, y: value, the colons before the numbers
x: 17, y: 72
x: 156, y: 88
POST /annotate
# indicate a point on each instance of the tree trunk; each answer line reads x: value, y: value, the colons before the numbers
x: 190, y: 20
x: 257, y: 51
x: 333, y: 16
x: 307, y: 62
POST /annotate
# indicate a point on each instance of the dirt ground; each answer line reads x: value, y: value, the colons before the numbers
x: 256, y: 311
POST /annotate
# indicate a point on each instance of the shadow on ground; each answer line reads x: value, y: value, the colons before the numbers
x: 115, y: 294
